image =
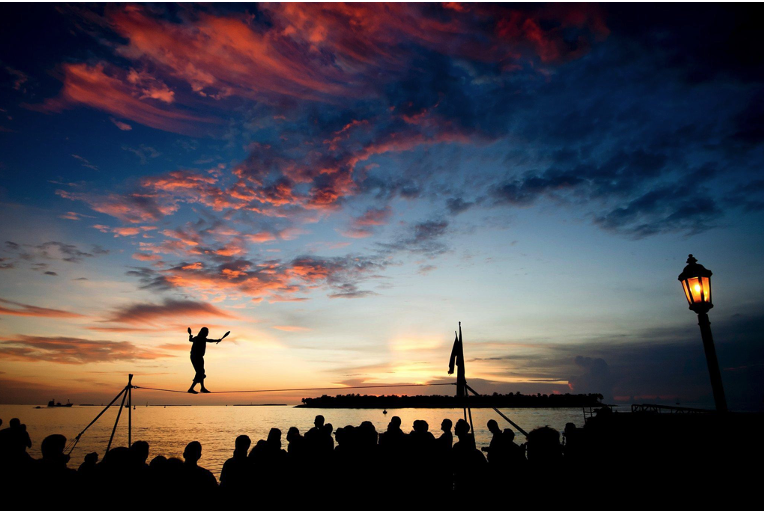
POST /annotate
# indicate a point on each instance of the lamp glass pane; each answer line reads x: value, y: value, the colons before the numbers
x: 695, y: 289
x: 686, y: 291
x: 705, y: 284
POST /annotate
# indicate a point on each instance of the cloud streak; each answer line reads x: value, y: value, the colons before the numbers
x: 20, y: 309
x: 99, y: 86
x: 72, y: 350
x: 149, y: 313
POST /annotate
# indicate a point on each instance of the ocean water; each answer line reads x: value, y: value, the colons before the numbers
x: 168, y: 430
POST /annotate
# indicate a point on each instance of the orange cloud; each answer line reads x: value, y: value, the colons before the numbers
x: 230, y: 250
x: 178, y: 180
x: 223, y: 55
x: 174, y: 347
x: 192, y: 187
x: 360, y: 227
x: 125, y: 231
x: 139, y: 256
x: 260, y: 237
x: 132, y: 208
x: 281, y: 298
x: 118, y: 329
x: 93, y: 86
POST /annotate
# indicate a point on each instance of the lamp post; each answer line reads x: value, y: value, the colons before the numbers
x: 696, y: 284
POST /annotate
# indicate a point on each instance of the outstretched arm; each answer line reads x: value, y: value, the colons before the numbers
x: 218, y: 340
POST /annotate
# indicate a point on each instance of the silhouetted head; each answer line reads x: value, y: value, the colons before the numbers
x: 293, y: 434
x: 91, y: 458
x: 140, y: 451
x: 569, y: 428
x: 242, y: 443
x: 421, y: 426
x: 319, y: 421
x: 15, y: 423
x: 158, y: 462
x: 446, y: 425
x: 367, y: 434
x: 461, y: 428
x: 395, y: 423
x: 203, y: 333
x: 493, y: 427
x: 274, y: 438
x: 329, y: 428
x: 173, y: 464
x: 509, y: 435
x: 117, y: 457
x: 52, y: 448
x: 544, y: 445
x: 193, y: 452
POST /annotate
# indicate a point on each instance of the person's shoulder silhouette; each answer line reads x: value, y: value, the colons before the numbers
x: 198, y: 481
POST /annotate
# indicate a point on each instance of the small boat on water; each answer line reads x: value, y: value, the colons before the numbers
x: 52, y: 404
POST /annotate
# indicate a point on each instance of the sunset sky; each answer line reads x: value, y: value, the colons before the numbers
x: 339, y: 185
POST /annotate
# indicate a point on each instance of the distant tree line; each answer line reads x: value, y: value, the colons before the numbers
x: 495, y: 400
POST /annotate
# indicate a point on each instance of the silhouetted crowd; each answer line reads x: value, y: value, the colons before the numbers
x: 350, y: 459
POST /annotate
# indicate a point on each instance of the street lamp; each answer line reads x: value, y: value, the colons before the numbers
x: 696, y: 284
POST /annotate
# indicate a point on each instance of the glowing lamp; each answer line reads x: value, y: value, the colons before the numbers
x: 696, y: 284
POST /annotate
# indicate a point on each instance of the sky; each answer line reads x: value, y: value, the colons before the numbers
x: 340, y: 184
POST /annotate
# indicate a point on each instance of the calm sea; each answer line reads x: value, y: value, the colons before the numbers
x: 168, y: 430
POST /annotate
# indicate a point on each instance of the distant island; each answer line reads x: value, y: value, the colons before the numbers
x: 516, y: 400
x: 263, y: 404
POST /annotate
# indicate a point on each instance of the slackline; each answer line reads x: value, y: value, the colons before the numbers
x: 257, y: 391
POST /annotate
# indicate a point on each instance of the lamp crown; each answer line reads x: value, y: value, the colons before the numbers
x: 693, y: 269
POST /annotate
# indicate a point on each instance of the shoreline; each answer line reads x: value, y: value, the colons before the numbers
x: 445, y: 407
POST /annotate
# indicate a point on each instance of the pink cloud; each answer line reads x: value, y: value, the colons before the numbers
x: 291, y: 328
x: 71, y: 215
x: 121, y: 125
x: 374, y: 216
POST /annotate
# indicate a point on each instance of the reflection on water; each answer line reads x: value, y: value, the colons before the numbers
x: 168, y: 430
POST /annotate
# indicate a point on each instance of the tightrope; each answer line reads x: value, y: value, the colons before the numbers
x: 257, y: 391
x: 73, y: 443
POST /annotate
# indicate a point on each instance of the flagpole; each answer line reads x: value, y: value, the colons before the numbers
x: 462, y: 377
